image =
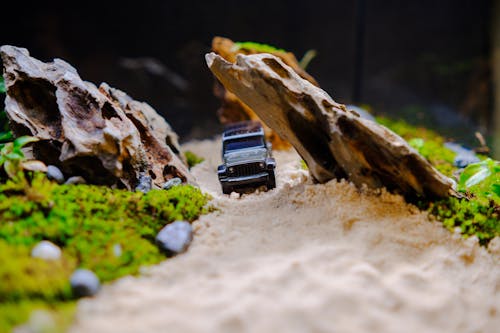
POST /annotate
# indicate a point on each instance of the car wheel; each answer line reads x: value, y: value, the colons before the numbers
x: 271, y: 183
x: 226, y: 189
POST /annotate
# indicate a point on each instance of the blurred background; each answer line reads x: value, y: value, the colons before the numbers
x: 428, y: 62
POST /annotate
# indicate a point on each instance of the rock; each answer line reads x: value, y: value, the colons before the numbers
x: 84, y: 283
x: 171, y: 183
x: 334, y: 142
x: 175, y: 237
x: 75, y: 180
x: 232, y: 108
x: 464, y: 156
x: 99, y: 133
x: 54, y: 173
x: 46, y: 250
x: 34, y: 165
x: 462, y: 161
x: 144, y: 184
x: 117, y: 250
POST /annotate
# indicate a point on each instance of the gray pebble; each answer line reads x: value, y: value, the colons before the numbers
x: 54, y: 173
x: 171, y: 183
x: 46, y: 250
x: 117, y: 250
x: 76, y: 180
x: 463, y: 160
x: 145, y: 183
x: 84, y: 283
x: 175, y: 237
x: 464, y: 156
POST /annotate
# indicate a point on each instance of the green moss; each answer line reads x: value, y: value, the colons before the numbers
x: 257, y: 47
x: 479, y: 214
x: 428, y: 143
x: 23, y: 277
x: 89, y: 223
x: 192, y: 159
x: 473, y: 217
x: 18, y: 313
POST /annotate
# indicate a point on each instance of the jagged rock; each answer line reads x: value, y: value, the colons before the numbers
x: 175, y: 237
x: 99, y: 133
x: 232, y: 108
x: 334, y: 142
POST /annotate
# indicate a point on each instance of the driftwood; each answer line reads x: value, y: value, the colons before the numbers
x: 232, y: 108
x: 98, y: 133
x: 333, y: 141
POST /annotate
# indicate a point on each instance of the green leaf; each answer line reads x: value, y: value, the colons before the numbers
x: 482, y: 179
x: 2, y: 85
x: 24, y: 140
x: 258, y: 47
x: 6, y: 136
x: 496, y: 189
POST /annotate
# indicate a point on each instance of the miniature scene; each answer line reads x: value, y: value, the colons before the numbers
x: 182, y: 167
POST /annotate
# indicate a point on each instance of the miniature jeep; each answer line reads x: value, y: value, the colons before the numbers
x: 247, y: 160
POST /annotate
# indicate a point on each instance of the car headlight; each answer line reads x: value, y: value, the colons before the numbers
x: 231, y: 169
x: 262, y: 165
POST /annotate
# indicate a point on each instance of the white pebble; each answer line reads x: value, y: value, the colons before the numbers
x: 46, y: 250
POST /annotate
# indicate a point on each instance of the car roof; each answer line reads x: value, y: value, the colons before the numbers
x: 242, y: 129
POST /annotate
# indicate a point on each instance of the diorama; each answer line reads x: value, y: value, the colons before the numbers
x: 296, y: 214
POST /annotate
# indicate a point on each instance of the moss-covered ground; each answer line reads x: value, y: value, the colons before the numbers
x: 479, y: 212
x: 108, y: 231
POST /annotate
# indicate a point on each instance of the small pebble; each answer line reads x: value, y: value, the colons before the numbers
x: 175, y: 237
x: 117, y: 250
x: 464, y: 156
x: 463, y: 160
x: 84, y: 283
x: 46, y: 250
x: 171, y: 183
x: 144, y: 183
x: 76, y: 180
x: 54, y: 173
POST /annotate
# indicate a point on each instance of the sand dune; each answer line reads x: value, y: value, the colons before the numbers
x: 306, y: 258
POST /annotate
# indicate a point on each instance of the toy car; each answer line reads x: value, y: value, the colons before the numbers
x: 247, y: 159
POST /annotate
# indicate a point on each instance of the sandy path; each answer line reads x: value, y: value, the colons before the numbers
x: 307, y: 258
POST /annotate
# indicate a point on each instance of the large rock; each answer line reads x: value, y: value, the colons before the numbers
x: 232, y: 108
x: 334, y: 142
x: 98, y: 133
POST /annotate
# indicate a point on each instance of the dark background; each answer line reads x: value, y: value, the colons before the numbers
x: 425, y: 61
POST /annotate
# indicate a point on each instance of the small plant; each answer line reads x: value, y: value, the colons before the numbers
x: 12, y: 158
x: 482, y: 179
x: 5, y: 133
x: 257, y: 47
x: 192, y: 159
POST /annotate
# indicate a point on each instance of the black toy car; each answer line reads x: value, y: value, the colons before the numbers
x: 247, y: 160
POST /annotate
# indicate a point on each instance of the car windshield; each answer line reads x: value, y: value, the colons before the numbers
x: 243, y: 143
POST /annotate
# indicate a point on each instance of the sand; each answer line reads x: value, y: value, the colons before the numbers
x: 307, y: 258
